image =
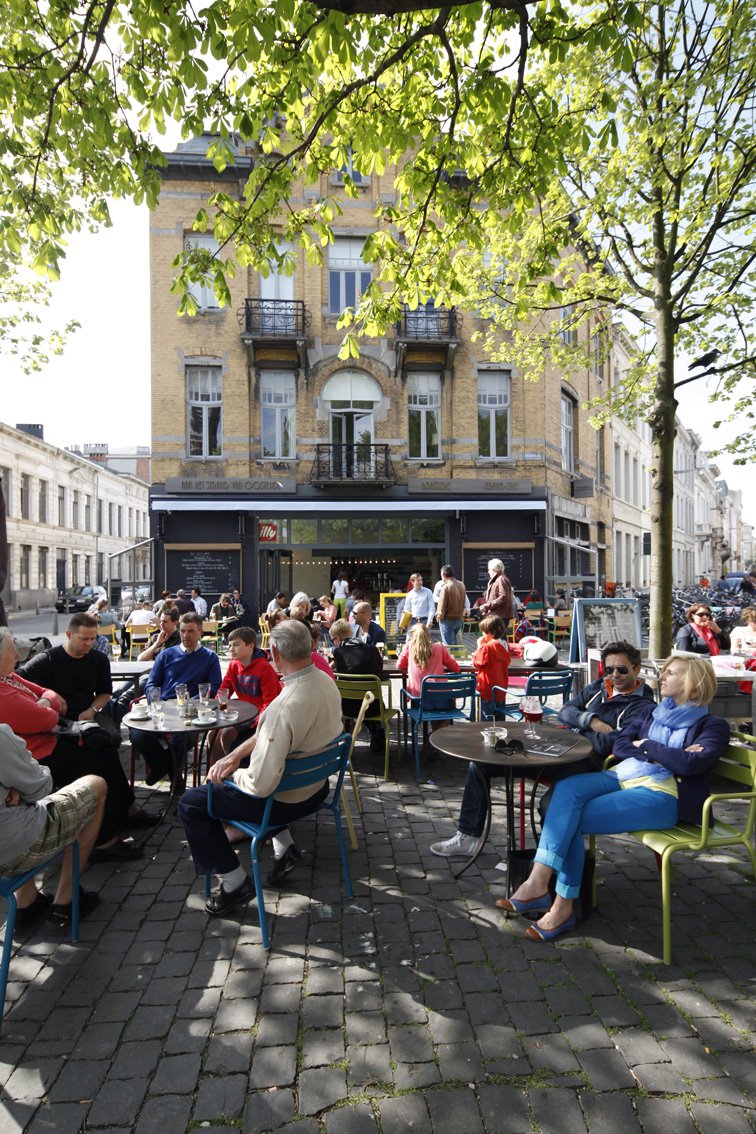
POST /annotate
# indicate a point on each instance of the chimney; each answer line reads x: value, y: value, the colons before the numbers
x: 37, y: 431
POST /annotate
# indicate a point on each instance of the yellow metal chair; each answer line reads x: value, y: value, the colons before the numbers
x: 210, y: 634
x: 560, y: 628
x: 353, y: 689
x: 734, y: 778
x: 137, y: 637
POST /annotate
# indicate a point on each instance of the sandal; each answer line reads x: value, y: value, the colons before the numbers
x: 535, y: 933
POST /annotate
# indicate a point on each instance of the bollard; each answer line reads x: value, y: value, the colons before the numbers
x: 55, y: 624
x: 36, y: 609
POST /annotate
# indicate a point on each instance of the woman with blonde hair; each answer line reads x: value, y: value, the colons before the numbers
x: 423, y: 658
x: 662, y: 779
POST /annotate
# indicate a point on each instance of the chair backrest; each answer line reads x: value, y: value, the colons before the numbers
x: 458, y: 652
x: 436, y: 691
x: 108, y: 632
x: 209, y: 626
x: 353, y: 687
x: 303, y: 771
x: 544, y: 685
x: 562, y: 620
x: 738, y: 765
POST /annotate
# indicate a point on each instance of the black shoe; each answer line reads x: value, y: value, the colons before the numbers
x: 284, y: 865
x: 61, y: 914
x: 151, y: 778
x: 119, y: 852
x: 30, y: 915
x: 143, y: 819
x: 225, y: 900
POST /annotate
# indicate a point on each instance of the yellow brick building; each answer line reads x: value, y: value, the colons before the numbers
x: 277, y: 465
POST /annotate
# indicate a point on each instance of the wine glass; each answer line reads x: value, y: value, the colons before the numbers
x: 532, y: 711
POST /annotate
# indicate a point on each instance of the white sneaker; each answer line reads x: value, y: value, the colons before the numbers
x: 458, y: 846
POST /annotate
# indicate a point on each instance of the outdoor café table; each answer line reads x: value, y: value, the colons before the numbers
x: 464, y: 741
x: 188, y: 729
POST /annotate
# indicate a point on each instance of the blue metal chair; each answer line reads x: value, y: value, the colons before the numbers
x: 8, y: 887
x: 542, y: 685
x: 298, y: 773
x: 433, y: 704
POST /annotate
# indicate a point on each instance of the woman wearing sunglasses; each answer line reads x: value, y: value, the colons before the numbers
x: 662, y: 778
x: 702, y: 635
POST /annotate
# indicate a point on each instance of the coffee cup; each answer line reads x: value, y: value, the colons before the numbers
x: 140, y: 712
x: 205, y: 716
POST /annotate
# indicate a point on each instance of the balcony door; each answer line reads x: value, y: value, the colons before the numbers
x: 351, y: 397
x: 277, y: 311
x: 352, y: 441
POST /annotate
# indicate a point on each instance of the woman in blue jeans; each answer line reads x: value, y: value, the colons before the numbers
x: 662, y: 778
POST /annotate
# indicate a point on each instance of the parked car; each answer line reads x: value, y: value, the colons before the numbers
x: 79, y: 598
x: 127, y: 595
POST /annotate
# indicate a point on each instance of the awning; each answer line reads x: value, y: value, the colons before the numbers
x: 282, y: 506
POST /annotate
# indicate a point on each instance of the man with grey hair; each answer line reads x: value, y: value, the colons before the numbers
x: 305, y: 717
x: 498, y: 598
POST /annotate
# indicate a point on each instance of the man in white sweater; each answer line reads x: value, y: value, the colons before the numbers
x: 36, y: 822
x: 305, y: 717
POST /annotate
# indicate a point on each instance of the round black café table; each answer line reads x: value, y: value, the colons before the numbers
x: 464, y: 741
x: 188, y: 729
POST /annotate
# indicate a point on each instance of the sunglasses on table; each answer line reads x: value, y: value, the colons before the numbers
x: 512, y: 747
x: 616, y: 669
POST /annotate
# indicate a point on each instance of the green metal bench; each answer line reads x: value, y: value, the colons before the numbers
x: 734, y: 778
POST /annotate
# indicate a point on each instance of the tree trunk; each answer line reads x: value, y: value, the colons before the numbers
x: 662, y: 481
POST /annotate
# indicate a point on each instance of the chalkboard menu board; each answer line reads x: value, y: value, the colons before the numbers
x: 595, y: 622
x: 212, y: 569
x: 391, y: 607
x: 516, y: 557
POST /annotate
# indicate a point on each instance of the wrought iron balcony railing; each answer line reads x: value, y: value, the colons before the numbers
x: 359, y: 463
x: 273, y: 318
x: 429, y: 323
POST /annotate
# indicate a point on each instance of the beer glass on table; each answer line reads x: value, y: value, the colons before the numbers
x: 532, y: 711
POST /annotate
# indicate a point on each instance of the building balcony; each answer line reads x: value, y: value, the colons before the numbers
x: 352, y: 464
x: 427, y: 337
x: 275, y: 331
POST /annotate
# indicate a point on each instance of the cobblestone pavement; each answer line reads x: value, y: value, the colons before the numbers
x: 415, y: 1006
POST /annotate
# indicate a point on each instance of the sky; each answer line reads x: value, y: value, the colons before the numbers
x: 99, y: 389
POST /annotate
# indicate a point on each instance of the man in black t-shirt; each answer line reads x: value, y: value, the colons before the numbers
x: 76, y: 672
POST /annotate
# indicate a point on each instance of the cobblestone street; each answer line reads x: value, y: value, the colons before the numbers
x: 415, y: 1006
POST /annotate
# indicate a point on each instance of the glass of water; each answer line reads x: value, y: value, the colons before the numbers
x: 204, y: 693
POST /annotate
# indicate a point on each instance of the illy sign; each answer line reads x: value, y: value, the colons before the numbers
x: 267, y: 533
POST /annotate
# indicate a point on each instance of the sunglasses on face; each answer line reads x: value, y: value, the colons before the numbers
x: 701, y: 614
x: 616, y: 669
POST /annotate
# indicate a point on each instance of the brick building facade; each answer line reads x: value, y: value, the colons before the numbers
x: 277, y: 464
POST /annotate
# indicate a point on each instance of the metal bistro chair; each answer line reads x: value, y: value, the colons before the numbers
x: 298, y: 773
x: 137, y: 637
x: 210, y: 634
x: 8, y: 887
x: 542, y: 685
x: 560, y: 628
x: 353, y: 687
x: 433, y: 705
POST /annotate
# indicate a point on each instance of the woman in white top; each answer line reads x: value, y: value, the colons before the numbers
x: 743, y: 638
x: 340, y: 591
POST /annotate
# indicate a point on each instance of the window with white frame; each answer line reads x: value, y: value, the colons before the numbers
x: 202, y: 290
x: 568, y: 433
x: 424, y: 406
x: 567, y: 331
x: 493, y: 413
x: 204, y: 391
x: 348, y: 274
x: 278, y: 401
x: 349, y: 170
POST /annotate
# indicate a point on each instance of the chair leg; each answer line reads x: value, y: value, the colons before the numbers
x: 387, y: 732
x: 10, y: 925
x: 416, y: 748
x: 666, y: 881
x: 257, y: 877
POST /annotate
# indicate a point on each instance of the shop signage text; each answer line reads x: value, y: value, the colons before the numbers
x: 494, y: 486
x: 277, y: 485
